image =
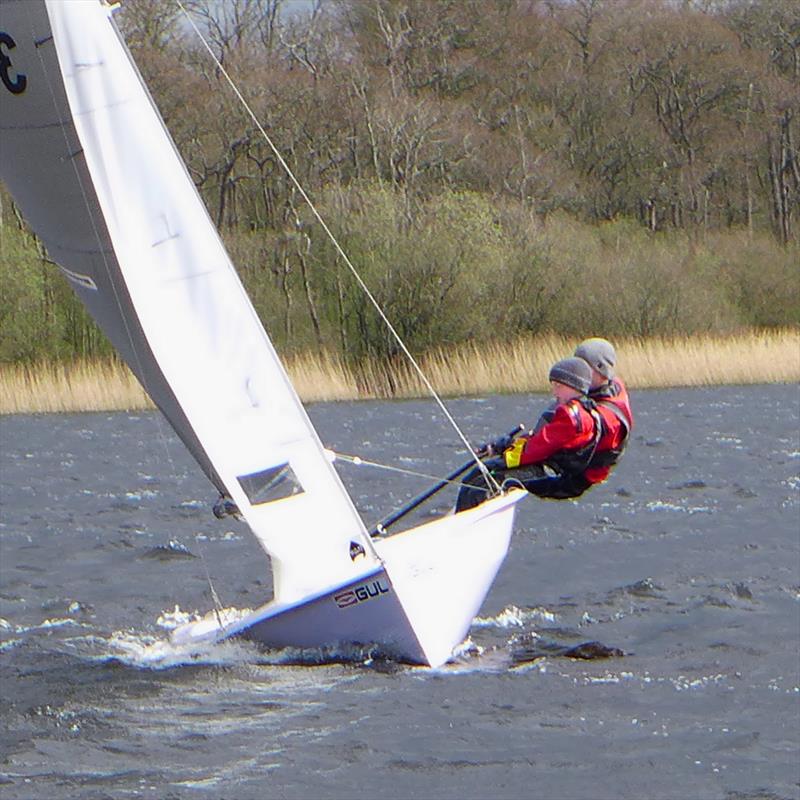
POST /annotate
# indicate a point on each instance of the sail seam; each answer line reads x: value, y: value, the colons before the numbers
x: 41, y: 127
x: 165, y: 240
x: 51, y: 245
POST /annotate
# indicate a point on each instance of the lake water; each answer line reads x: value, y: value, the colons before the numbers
x: 687, y: 560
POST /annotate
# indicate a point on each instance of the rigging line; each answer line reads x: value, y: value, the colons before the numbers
x: 423, y: 377
x: 214, y: 596
x: 358, y: 461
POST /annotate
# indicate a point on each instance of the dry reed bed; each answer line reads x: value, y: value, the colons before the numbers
x: 474, y: 369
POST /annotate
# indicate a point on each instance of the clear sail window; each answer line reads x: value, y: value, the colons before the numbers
x: 275, y: 483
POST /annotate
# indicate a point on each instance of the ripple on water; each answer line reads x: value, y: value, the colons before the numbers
x: 173, y: 549
x: 702, y: 612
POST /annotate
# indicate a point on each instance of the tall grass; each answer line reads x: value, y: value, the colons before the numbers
x: 523, y: 365
x: 81, y: 385
x: 471, y: 369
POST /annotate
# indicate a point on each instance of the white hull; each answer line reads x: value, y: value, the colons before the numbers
x: 417, y: 607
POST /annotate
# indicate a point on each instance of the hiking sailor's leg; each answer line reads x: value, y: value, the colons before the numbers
x: 472, y: 492
x: 557, y: 487
x: 474, y: 489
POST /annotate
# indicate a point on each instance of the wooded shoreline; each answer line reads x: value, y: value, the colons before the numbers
x: 490, y: 169
x: 474, y: 369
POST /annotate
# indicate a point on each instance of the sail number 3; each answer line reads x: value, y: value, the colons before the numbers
x: 19, y: 82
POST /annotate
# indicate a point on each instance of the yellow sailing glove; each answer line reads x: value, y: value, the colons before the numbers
x: 513, y: 455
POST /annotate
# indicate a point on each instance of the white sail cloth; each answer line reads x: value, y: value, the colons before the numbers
x: 89, y: 161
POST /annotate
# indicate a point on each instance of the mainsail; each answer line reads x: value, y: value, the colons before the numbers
x: 92, y: 167
x: 89, y: 161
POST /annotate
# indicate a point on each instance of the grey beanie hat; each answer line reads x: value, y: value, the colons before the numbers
x: 598, y: 354
x: 573, y: 372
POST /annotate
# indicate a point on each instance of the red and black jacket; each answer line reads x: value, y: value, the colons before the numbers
x: 567, y: 443
x: 613, y: 405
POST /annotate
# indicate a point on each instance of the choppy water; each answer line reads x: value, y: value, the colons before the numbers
x: 688, y: 561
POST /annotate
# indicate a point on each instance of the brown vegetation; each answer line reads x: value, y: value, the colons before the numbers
x: 681, y: 115
x: 472, y: 369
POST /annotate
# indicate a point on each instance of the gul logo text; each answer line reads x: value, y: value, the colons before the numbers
x: 361, y: 593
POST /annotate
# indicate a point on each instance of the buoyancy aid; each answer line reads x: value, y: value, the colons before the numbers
x: 614, y: 407
x: 575, y: 462
x: 587, y: 428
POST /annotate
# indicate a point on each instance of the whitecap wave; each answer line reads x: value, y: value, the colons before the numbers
x: 150, y: 652
x: 660, y: 505
x: 514, y: 617
x: 56, y: 622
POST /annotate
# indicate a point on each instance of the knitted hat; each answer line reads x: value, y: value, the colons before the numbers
x: 598, y: 354
x: 573, y: 372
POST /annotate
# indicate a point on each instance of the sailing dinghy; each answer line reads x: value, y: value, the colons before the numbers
x: 93, y: 169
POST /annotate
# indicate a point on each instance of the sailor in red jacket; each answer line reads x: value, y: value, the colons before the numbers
x: 550, y: 462
x: 611, y: 398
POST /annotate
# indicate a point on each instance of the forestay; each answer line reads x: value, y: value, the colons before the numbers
x: 94, y: 171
